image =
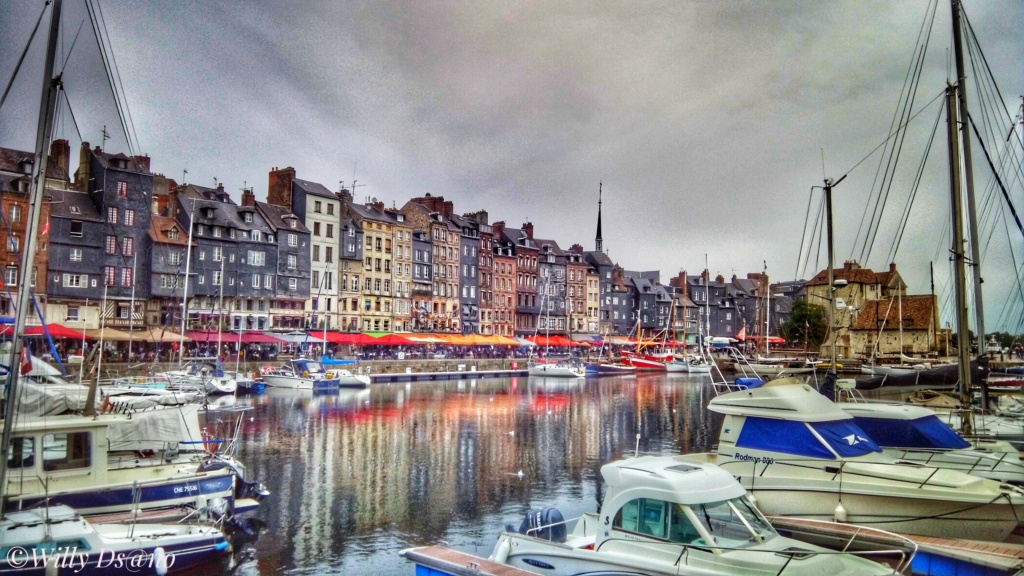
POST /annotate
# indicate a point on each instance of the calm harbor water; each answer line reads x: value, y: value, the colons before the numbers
x: 357, y: 476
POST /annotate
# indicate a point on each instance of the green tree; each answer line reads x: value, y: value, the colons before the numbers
x: 807, y: 323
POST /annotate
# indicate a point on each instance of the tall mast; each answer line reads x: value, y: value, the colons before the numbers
x: 131, y: 311
x: 597, y: 240
x: 833, y: 325
x: 184, y: 294
x: 965, y: 151
x: 960, y: 274
x: 47, y: 110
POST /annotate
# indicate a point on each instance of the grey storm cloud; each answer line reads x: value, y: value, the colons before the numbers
x: 707, y: 122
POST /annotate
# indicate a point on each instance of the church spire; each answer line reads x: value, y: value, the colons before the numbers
x: 597, y: 240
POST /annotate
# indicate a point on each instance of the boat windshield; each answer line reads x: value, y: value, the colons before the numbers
x: 733, y: 523
x: 313, y: 367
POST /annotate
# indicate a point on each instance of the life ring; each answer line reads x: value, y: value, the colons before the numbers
x: 515, y: 365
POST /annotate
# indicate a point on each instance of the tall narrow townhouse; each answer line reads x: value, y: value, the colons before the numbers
x: 554, y: 317
x: 319, y: 209
x: 469, y: 263
x: 377, y: 312
x: 504, y: 283
x: 433, y: 214
x: 170, y: 245
x: 422, y: 281
x: 15, y: 188
x: 576, y: 291
x: 118, y: 273
x: 528, y: 303
x: 289, y: 241
x: 401, y: 276
x: 485, y: 263
x: 350, y: 288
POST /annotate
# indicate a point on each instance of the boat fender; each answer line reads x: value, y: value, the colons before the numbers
x: 160, y: 560
x: 840, y: 513
x: 500, y: 554
x: 752, y: 498
x: 305, y: 373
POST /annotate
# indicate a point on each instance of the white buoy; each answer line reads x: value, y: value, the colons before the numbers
x: 160, y: 561
x: 840, y: 513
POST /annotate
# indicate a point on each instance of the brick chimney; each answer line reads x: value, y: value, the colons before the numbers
x: 499, y: 229
x: 576, y: 248
x: 376, y: 205
x: 892, y: 266
x: 679, y: 281
x: 248, y: 198
x: 60, y: 155
x: 142, y: 163
x: 279, y: 187
x: 82, y: 174
x: 720, y: 279
x: 528, y: 228
x: 480, y: 216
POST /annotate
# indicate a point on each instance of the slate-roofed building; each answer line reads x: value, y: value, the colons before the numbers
x: 319, y: 209
x: 622, y: 303
x: 289, y: 242
x: 378, y: 263
x: 554, y: 314
x: 433, y: 214
x: 576, y: 291
x: 351, y: 249
x: 602, y: 266
x: 422, y: 280
x: 527, y: 253
x: 169, y: 241
x: 468, y: 270
x: 504, y: 285
x: 485, y: 263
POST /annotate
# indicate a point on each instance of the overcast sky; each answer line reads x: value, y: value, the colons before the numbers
x: 707, y: 122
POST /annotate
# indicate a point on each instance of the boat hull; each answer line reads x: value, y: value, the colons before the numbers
x: 556, y: 371
x: 298, y: 382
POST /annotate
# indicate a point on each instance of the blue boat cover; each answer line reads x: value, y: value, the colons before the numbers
x: 748, y: 383
x: 927, y: 432
x: 796, y: 438
x: 332, y: 362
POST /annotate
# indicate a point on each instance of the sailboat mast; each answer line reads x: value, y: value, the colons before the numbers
x: 968, y: 175
x: 960, y: 274
x: 184, y: 293
x: 131, y: 310
x: 833, y: 325
x: 220, y: 307
x: 47, y: 110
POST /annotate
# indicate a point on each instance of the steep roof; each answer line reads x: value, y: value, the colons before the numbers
x: 73, y: 205
x: 11, y: 159
x: 854, y: 274
x: 917, y: 313
x: 159, y: 227
x: 598, y: 258
x: 281, y: 218
x: 315, y: 189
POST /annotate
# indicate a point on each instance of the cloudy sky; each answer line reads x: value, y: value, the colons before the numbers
x: 707, y: 122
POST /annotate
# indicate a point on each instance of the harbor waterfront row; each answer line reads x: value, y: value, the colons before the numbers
x: 130, y: 249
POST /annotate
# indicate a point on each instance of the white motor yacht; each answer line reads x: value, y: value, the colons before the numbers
x: 562, y: 368
x: 662, y: 515
x: 800, y: 455
x: 305, y: 374
x: 916, y: 434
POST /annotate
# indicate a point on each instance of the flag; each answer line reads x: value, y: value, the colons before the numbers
x: 46, y: 227
x: 743, y: 334
x: 26, y: 361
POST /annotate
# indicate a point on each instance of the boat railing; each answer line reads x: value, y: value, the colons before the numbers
x: 897, y: 551
x: 981, y: 462
x: 536, y: 531
x: 898, y: 557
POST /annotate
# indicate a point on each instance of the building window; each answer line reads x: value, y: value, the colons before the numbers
x: 316, y: 206
x: 112, y: 215
x: 76, y: 228
x: 218, y: 253
x: 11, y: 276
x: 293, y: 284
x: 216, y: 231
x: 293, y: 261
x: 256, y: 258
x: 73, y: 314
x: 330, y: 229
x: 256, y: 236
x: 12, y: 244
x: 128, y: 246
x: 329, y: 254
x: 330, y: 209
x: 174, y: 258
x: 15, y: 214
x: 202, y: 254
x: 199, y: 230
x: 316, y: 228
x: 123, y: 311
x: 129, y: 217
x: 111, y: 244
x: 172, y: 233
x: 109, y: 273
x: 316, y: 253
x: 216, y: 277
x: 255, y: 280
x: 122, y: 189
x: 126, y: 277
x: 248, y: 217
x: 76, y: 254
x: 202, y: 279
x: 267, y: 281
x: 293, y: 240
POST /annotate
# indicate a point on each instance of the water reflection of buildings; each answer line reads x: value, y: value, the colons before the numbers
x: 405, y: 464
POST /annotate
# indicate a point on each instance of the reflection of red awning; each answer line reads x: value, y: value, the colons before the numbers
x: 55, y: 330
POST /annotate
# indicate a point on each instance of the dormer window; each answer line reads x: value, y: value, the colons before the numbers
x: 26, y: 166
x: 172, y: 234
x: 256, y: 237
x: 248, y: 217
x: 76, y: 210
x: 208, y: 212
x: 292, y: 223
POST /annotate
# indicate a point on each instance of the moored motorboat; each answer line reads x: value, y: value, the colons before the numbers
x: 305, y: 374
x: 800, y: 455
x: 661, y: 515
x: 560, y: 368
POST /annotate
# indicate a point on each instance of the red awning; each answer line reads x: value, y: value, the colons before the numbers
x: 257, y: 338
x: 353, y: 338
x: 55, y: 330
x: 392, y: 340
x: 551, y: 341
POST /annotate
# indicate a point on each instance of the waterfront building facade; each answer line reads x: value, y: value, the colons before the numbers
x: 434, y: 214
x: 576, y: 291
x: 504, y: 285
x: 468, y: 271
x: 422, y: 280
x: 292, y: 281
x: 351, y: 268
x: 377, y: 298
x: 401, y: 271
x: 527, y: 253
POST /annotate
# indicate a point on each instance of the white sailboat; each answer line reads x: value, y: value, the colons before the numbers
x: 548, y: 366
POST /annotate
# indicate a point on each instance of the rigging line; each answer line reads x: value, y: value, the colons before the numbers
x: 999, y: 181
x: 821, y: 232
x: 803, y: 237
x: 894, y: 159
x: 71, y: 112
x: 914, y: 189
x: 981, y: 55
x: 811, y: 233
x: 906, y: 80
x: 98, y: 33
x: 21, y: 58
x: 117, y: 74
x: 72, y: 47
